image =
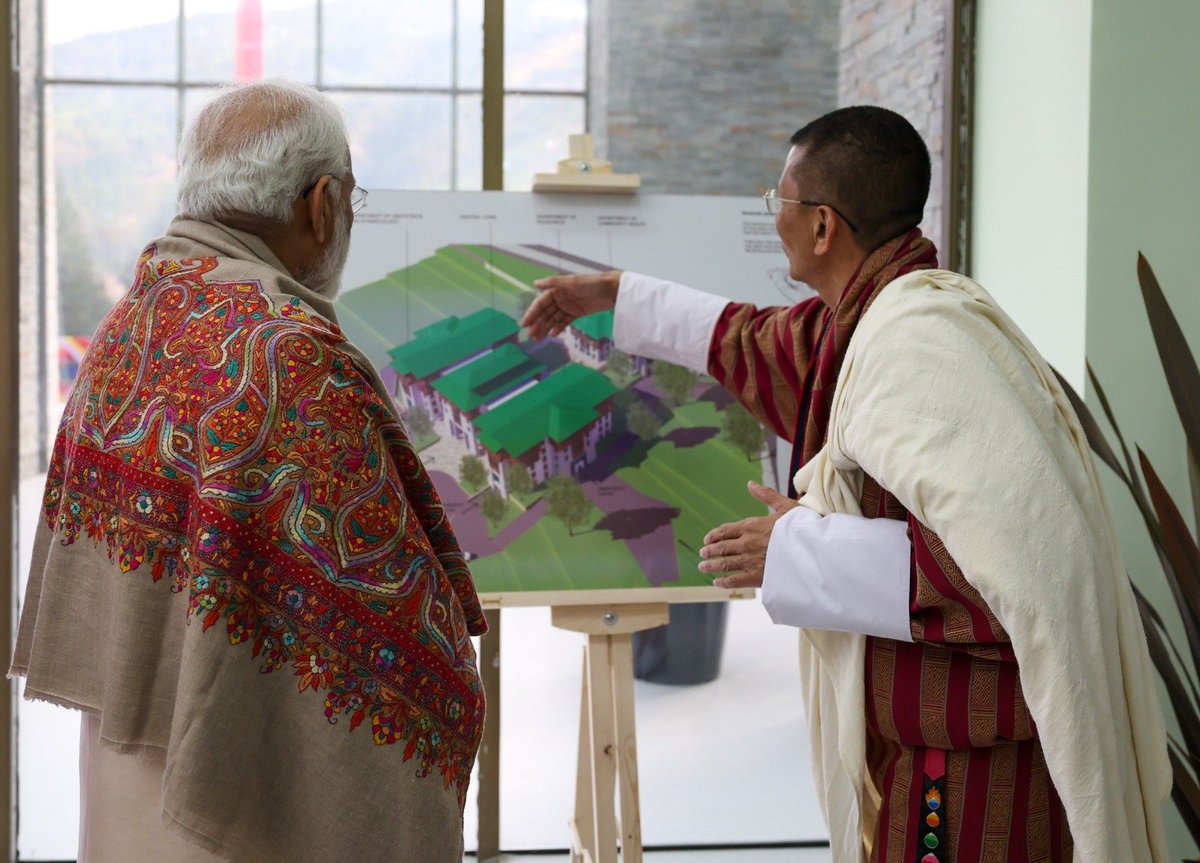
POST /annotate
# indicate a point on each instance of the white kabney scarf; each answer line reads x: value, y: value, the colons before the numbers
x: 944, y: 402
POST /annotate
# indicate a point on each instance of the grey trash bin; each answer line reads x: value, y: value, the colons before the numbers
x: 685, y: 651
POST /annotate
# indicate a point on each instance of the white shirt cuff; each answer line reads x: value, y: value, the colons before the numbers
x: 665, y: 321
x: 841, y: 572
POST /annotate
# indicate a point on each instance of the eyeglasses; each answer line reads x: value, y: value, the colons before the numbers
x: 775, y: 204
x: 358, y: 195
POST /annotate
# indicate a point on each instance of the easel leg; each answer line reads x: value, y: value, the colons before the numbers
x: 489, y: 749
x: 627, y: 772
x: 584, y: 829
x: 607, y: 736
x: 603, y: 746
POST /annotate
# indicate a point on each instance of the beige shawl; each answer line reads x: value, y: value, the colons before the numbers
x: 241, y: 561
x: 946, y: 404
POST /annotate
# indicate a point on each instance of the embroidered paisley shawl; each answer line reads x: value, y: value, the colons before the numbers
x: 239, y: 539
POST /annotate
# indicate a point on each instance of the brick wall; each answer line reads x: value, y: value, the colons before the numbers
x: 703, y: 95
x: 891, y: 54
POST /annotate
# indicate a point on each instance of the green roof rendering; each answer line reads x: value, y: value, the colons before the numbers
x: 450, y: 341
x: 597, y: 326
x: 489, y: 377
x: 556, y: 408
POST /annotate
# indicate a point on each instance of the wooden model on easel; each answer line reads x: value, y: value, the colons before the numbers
x: 583, y: 172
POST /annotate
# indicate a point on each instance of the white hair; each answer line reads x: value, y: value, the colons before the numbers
x: 325, y: 274
x: 254, y: 148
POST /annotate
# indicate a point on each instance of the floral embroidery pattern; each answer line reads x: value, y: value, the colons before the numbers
x: 238, y: 451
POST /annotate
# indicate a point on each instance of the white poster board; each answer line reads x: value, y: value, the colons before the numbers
x: 593, y: 472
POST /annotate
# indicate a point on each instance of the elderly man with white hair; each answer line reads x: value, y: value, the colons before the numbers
x: 243, y: 576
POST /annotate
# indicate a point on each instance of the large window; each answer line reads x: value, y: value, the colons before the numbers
x: 117, y: 81
x: 107, y: 88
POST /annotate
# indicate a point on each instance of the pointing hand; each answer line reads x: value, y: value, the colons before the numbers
x: 565, y: 298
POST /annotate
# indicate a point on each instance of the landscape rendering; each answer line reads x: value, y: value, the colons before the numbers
x: 564, y: 464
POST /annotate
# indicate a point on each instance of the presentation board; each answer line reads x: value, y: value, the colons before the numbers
x: 565, y: 465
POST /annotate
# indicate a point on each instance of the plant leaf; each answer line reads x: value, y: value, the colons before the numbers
x: 1149, y: 609
x: 1150, y: 618
x: 1179, y: 545
x: 1131, y: 481
x: 1185, y: 793
x: 1183, y: 707
x: 1194, y: 478
x: 1135, y: 485
x: 1178, y: 363
x: 1179, y: 554
x: 1095, y: 437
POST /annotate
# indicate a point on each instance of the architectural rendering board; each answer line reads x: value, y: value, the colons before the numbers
x: 564, y: 464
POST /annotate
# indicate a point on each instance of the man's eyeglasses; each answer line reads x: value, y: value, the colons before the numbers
x: 358, y: 195
x: 775, y: 204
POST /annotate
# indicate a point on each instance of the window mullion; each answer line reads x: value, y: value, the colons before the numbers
x: 43, y: 286
x: 320, y: 43
x: 180, y: 59
x: 454, y: 96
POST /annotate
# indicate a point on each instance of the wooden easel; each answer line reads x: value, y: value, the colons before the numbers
x: 607, y: 758
x: 607, y: 765
x: 607, y: 761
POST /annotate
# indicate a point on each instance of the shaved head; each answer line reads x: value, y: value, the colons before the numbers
x: 871, y: 164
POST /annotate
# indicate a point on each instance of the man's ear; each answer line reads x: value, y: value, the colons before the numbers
x: 321, y: 201
x: 824, y: 228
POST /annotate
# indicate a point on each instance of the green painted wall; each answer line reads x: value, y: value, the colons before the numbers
x: 1030, y: 154
x: 1087, y: 150
x: 1143, y: 194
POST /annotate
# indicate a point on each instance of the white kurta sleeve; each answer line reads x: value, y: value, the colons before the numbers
x: 665, y: 321
x: 841, y: 572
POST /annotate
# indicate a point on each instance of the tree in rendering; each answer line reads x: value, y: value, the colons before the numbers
x: 493, y: 506
x: 418, y: 422
x: 619, y: 363
x: 743, y: 431
x: 642, y: 421
x: 471, y: 471
x: 517, y: 479
x: 566, y: 501
x: 676, y: 382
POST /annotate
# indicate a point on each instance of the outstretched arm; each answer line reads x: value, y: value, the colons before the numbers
x: 656, y: 319
x: 565, y: 298
x: 759, y: 354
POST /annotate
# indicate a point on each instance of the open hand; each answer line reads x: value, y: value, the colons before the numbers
x: 740, y: 547
x: 565, y: 298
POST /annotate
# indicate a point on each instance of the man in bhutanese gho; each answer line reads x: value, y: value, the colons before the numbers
x: 976, y: 676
